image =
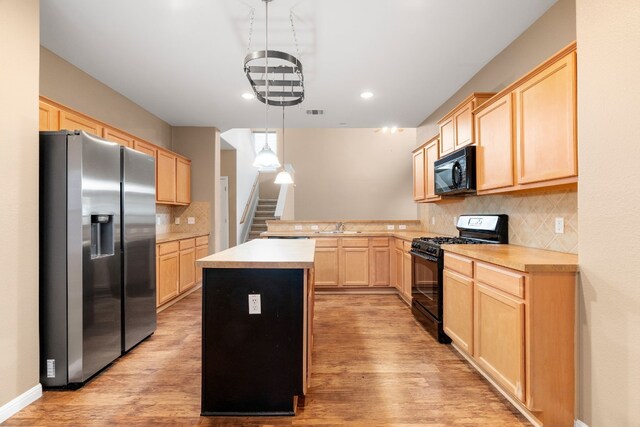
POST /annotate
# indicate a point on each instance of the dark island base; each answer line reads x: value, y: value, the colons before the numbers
x: 252, y: 363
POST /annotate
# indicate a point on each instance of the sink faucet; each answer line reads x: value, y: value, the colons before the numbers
x: 340, y: 226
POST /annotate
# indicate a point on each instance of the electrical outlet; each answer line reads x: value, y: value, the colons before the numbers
x: 255, y: 307
x: 297, y: 227
x: 455, y: 221
x: 391, y: 227
x: 314, y: 227
x: 157, y: 219
x: 402, y: 227
x: 178, y: 221
x: 433, y: 220
x: 559, y: 225
x: 191, y: 220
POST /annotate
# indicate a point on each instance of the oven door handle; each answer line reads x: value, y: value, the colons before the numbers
x: 424, y: 256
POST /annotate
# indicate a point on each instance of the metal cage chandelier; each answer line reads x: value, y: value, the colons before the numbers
x: 280, y: 84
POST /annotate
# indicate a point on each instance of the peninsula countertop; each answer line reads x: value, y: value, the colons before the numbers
x: 264, y: 253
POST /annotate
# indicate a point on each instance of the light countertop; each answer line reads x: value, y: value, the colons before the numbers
x: 170, y: 237
x: 405, y: 235
x: 518, y: 257
x: 264, y: 253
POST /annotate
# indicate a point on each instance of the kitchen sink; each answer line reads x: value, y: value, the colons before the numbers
x: 338, y: 232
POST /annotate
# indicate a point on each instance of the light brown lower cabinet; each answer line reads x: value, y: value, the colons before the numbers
x: 326, y: 263
x: 406, y: 276
x: 353, y: 265
x: 167, y: 272
x: 176, y: 271
x: 518, y: 327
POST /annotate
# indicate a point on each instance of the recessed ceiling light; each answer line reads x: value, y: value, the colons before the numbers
x: 366, y: 95
x: 248, y: 95
x: 394, y: 129
x: 385, y: 129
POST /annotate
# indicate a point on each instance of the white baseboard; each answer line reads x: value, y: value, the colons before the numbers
x: 579, y: 423
x: 10, y: 409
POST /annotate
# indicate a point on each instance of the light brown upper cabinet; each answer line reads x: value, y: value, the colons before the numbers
x: 49, y: 117
x: 494, y: 140
x: 456, y: 128
x: 146, y: 148
x: 419, y: 176
x: 183, y: 181
x: 165, y: 177
x: 546, y: 143
x: 526, y: 134
x: 424, y: 158
x: 116, y: 136
x: 72, y: 121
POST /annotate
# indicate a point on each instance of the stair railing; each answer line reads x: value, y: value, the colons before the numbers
x: 249, y: 211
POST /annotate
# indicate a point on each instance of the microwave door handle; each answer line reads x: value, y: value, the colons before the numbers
x: 456, y: 174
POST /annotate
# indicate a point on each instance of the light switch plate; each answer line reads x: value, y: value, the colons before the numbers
x: 314, y: 227
x: 178, y: 221
x: 559, y: 225
x: 191, y: 220
x: 157, y: 219
x: 433, y: 220
x: 402, y: 227
x: 255, y: 307
x: 297, y: 227
x: 391, y: 227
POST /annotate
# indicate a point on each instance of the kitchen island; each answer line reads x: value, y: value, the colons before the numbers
x: 257, y: 327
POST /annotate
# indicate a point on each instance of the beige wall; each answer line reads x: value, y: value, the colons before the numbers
x: 202, y: 146
x: 70, y: 86
x: 19, y: 50
x: 531, y: 216
x: 609, y: 131
x: 228, y: 167
x: 351, y: 173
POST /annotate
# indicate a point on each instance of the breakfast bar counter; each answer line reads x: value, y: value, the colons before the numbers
x: 257, y: 327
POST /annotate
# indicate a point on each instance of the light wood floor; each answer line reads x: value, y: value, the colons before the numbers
x: 374, y: 366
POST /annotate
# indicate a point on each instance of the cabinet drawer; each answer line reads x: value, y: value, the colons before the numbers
x: 406, y: 246
x: 167, y: 248
x: 379, y: 241
x: 462, y: 265
x: 398, y: 243
x: 505, y: 280
x: 326, y: 243
x: 202, y: 240
x: 357, y: 242
x: 187, y: 244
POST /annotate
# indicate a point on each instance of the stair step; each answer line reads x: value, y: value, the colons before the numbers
x: 268, y: 200
x: 256, y: 227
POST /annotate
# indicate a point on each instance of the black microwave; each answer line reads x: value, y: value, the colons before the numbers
x: 455, y: 173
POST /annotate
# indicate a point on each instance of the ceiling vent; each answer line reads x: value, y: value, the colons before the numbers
x: 315, y: 112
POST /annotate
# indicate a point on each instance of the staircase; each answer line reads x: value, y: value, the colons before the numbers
x: 264, y: 211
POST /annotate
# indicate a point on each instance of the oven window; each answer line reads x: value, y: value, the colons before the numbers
x: 425, y: 289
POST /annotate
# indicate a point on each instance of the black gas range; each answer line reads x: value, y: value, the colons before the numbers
x: 428, y: 264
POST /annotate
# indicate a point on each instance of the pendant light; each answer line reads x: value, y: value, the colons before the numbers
x: 266, y: 160
x: 283, y: 177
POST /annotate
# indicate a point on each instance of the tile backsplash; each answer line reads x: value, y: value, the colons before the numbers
x: 531, y: 217
x: 166, y: 216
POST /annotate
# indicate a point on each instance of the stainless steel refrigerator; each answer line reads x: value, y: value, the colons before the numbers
x: 97, y: 254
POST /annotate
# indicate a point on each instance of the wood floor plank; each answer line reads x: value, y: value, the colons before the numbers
x: 374, y: 365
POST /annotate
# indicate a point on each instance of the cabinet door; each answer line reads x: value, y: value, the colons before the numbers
x: 499, y: 338
x: 167, y: 280
x: 379, y: 264
x: 326, y: 267
x: 49, y: 117
x: 418, y: 176
x: 447, y: 137
x: 187, y: 269
x: 393, y: 272
x: 166, y: 177
x: 145, y: 148
x: 183, y: 181
x: 354, y: 266
x: 494, y: 140
x: 117, y: 136
x: 406, y: 275
x: 399, y: 270
x: 546, y: 145
x: 430, y: 156
x: 201, y: 252
x: 457, y: 307
x: 463, y: 126
x: 70, y: 121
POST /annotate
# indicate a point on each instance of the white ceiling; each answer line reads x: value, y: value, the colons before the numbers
x: 182, y: 60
